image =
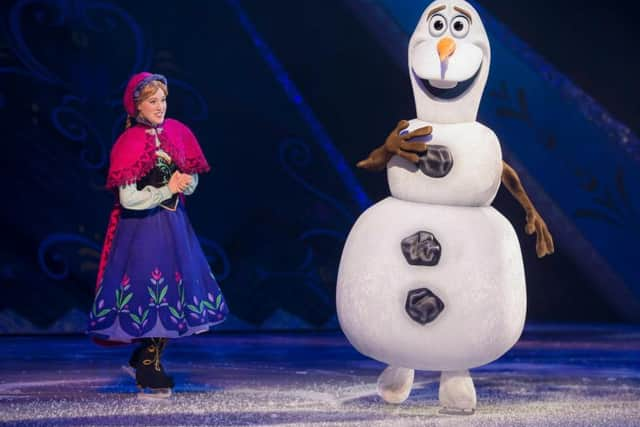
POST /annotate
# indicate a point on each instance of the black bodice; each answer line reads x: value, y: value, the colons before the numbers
x: 159, y: 176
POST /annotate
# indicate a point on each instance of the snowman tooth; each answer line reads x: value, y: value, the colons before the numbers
x: 443, y: 84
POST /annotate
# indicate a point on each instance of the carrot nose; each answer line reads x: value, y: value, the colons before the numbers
x: 446, y: 47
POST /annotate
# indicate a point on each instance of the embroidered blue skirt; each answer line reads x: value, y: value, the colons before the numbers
x: 157, y: 281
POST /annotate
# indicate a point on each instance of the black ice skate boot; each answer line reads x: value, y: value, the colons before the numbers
x: 149, y: 371
x: 135, y: 358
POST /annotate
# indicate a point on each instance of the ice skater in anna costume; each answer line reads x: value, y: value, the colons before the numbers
x: 154, y: 282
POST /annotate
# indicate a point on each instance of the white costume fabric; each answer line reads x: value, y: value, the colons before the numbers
x: 432, y: 277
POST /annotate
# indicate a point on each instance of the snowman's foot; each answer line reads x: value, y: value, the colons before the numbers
x: 457, y: 394
x: 394, y: 384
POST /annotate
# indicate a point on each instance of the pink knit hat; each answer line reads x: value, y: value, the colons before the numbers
x: 135, y: 85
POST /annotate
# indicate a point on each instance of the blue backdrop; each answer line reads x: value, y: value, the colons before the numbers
x: 285, y: 98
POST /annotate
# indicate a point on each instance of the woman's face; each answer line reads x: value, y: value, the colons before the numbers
x: 154, y: 107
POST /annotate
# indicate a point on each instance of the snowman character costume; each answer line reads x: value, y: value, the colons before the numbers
x: 432, y: 277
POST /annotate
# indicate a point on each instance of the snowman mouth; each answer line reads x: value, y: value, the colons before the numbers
x: 449, y: 90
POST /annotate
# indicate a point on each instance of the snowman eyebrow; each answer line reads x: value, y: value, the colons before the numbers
x: 435, y: 10
x: 464, y: 12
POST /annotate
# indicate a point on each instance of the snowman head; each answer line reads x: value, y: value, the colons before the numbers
x: 449, y: 57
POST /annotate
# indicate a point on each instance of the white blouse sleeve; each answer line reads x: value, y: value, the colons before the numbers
x: 147, y: 198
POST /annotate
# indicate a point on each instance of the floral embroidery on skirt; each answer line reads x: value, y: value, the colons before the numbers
x: 157, y: 281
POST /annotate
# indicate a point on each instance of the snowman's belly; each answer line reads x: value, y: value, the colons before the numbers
x: 479, y: 278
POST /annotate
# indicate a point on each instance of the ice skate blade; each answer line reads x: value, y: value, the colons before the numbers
x: 129, y: 371
x: 155, y: 394
x: 457, y: 411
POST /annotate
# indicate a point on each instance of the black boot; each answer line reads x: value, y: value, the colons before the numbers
x: 149, y: 371
x: 137, y: 352
x: 130, y: 369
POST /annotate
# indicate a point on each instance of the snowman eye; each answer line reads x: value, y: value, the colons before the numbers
x: 460, y: 26
x: 437, y: 25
